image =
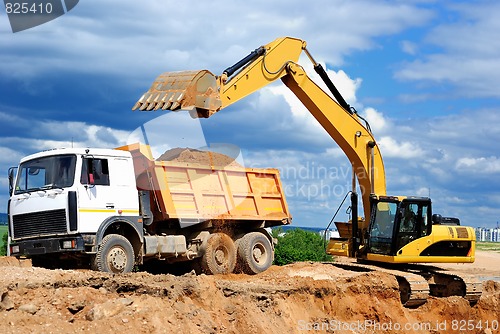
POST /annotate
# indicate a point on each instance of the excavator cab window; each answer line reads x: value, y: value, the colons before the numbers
x: 414, y: 221
x: 382, y: 227
x: 426, y: 222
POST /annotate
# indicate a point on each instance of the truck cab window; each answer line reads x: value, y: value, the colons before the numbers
x: 95, y: 171
x: 46, y: 173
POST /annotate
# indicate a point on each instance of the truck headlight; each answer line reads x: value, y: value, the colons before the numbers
x: 69, y: 244
x: 14, y: 249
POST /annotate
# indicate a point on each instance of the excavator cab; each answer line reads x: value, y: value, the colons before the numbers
x: 404, y: 230
x: 395, y: 223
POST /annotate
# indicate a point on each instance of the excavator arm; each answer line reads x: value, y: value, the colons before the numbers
x: 204, y: 94
x: 385, y: 236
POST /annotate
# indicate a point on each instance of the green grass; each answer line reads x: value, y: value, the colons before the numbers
x: 488, y: 246
x: 3, y: 229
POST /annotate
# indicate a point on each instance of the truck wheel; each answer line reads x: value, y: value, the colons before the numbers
x: 255, y: 253
x: 220, y: 255
x: 115, y: 255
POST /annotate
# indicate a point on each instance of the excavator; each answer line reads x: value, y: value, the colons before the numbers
x: 398, y: 234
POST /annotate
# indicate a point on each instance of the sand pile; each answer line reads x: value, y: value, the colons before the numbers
x: 190, y: 155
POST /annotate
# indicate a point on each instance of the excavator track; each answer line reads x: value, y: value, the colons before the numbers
x: 418, y: 282
x: 445, y: 283
x: 413, y: 288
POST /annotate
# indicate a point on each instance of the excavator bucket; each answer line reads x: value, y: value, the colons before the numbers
x: 196, y: 91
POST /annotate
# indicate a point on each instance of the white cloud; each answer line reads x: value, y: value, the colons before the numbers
x: 392, y: 148
x: 378, y: 123
x: 52, y: 134
x: 346, y: 86
x: 409, y: 47
x: 302, y: 119
x: 482, y: 165
x: 9, y: 157
x: 466, y: 54
x: 423, y: 192
x: 455, y: 200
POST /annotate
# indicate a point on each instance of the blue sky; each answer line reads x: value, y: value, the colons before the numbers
x: 424, y: 73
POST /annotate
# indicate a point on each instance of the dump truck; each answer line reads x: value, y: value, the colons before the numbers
x: 117, y: 209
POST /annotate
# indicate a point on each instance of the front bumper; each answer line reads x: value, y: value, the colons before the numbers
x: 47, y: 245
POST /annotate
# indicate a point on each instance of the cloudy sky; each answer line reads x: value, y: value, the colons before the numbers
x: 424, y: 73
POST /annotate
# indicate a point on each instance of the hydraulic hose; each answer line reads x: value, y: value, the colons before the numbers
x: 252, y: 56
x: 328, y: 82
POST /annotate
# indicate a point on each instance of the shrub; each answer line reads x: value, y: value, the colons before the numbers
x: 298, y: 245
x: 3, y: 249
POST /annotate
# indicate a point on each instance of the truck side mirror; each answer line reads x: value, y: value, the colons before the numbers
x: 12, y: 171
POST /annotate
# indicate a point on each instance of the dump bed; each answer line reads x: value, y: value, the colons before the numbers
x: 193, y: 192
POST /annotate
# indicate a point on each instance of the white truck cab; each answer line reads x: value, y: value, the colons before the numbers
x: 61, y: 198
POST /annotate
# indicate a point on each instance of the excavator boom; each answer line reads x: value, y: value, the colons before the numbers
x: 397, y: 230
x: 204, y: 94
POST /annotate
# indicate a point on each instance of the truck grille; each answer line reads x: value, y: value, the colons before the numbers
x: 39, y: 223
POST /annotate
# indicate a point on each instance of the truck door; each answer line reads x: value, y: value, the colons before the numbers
x: 107, y: 189
x: 95, y: 198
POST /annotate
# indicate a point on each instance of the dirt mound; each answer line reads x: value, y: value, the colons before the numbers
x: 190, y: 155
x: 299, y: 297
x: 10, y: 261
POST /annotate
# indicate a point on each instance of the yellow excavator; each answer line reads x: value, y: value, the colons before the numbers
x: 397, y: 232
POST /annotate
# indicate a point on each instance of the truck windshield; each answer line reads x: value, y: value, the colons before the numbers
x: 46, y: 173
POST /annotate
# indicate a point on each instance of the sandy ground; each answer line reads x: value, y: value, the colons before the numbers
x: 486, y: 266
x: 298, y: 298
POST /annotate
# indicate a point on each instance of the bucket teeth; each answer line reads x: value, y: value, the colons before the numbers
x: 144, y: 104
x: 158, y: 105
x: 175, y: 106
x: 159, y: 101
x: 136, y: 105
x: 166, y: 105
x: 188, y: 90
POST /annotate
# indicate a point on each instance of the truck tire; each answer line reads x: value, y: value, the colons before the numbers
x: 114, y: 255
x: 255, y: 253
x: 220, y: 255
